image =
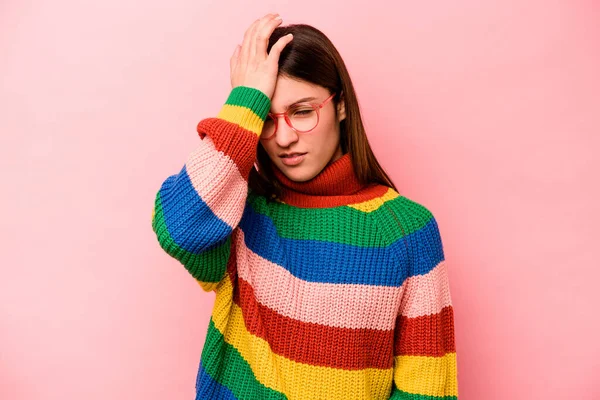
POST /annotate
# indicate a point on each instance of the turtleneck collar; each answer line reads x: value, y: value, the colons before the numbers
x: 337, y: 184
x: 336, y: 179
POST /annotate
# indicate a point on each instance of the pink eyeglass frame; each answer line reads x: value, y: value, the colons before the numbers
x: 275, y: 117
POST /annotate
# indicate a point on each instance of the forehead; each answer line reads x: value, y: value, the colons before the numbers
x: 289, y: 91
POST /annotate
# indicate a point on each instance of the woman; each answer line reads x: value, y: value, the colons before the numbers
x: 329, y: 284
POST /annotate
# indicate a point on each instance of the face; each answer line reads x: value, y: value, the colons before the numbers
x: 321, y: 145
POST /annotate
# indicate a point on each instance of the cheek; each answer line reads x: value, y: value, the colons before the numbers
x: 271, y: 150
x: 331, y: 122
x: 327, y: 130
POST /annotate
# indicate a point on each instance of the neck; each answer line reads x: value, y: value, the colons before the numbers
x: 336, y: 184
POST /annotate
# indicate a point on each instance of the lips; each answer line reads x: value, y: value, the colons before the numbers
x: 292, y: 155
x: 293, y: 159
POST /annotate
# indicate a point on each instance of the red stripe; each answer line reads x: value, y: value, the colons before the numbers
x: 428, y: 335
x: 233, y: 140
x: 311, y: 343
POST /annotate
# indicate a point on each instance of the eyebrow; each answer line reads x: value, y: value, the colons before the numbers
x: 303, y: 99
x: 300, y: 101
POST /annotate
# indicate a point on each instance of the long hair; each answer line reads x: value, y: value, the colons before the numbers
x: 311, y: 57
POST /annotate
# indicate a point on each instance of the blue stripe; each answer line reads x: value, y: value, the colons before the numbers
x: 191, y: 223
x: 327, y: 262
x: 429, y: 248
x: 208, y: 388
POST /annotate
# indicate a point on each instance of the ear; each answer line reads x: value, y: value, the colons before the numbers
x: 341, y: 108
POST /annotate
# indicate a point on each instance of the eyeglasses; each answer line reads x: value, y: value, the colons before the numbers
x: 301, y: 117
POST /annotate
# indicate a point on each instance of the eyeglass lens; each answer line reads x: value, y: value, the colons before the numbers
x: 302, y: 117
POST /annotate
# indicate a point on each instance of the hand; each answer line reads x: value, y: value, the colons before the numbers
x: 250, y: 64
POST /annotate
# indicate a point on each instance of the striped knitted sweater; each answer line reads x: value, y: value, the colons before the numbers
x: 335, y: 290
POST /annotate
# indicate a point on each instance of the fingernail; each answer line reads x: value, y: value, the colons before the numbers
x: 278, y: 17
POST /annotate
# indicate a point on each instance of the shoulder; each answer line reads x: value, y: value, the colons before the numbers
x: 412, y: 214
x: 411, y: 228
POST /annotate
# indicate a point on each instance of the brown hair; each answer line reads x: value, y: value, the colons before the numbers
x: 311, y: 57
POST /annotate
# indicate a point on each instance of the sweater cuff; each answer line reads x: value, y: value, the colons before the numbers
x: 236, y: 129
x: 247, y: 107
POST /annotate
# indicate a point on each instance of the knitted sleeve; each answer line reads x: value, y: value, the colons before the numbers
x: 196, y: 210
x: 424, y: 349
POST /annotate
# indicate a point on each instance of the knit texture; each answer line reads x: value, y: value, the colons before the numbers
x: 335, y: 290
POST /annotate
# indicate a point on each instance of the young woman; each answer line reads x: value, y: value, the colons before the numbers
x: 329, y: 284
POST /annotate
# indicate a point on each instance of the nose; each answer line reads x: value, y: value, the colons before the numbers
x: 285, y: 135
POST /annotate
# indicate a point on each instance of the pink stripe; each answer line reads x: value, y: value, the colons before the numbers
x: 365, y: 306
x: 217, y: 181
x: 426, y: 294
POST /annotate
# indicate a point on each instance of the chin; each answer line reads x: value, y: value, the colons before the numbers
x: 299, y: 174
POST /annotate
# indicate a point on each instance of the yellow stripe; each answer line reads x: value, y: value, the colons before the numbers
x: 242, y: 116
x: 430, y: 376
x: 374, y: 204
x: 294, y: 379
x: 207, y: 286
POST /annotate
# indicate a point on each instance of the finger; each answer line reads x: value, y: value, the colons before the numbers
x: 245, y: 50
x: 262, y: 40
x: 234, y: 58
x: 257, y: 32
x: 278, y: 48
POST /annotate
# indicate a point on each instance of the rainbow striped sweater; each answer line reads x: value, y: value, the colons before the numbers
x: 334, y: 290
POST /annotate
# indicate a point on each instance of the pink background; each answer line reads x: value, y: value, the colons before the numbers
x: 487, y: 112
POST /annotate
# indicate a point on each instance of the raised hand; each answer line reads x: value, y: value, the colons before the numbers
x: 250, y: 65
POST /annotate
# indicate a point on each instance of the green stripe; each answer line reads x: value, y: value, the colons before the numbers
x: 225, y: 364
x: 400, y: 395
x: 209, y: 266
x: 251, y: 98
x: 411, y: 215
x: 360, y: 228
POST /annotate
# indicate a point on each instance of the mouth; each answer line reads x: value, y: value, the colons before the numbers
x: 293, y: 159
x: 292, y: 155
